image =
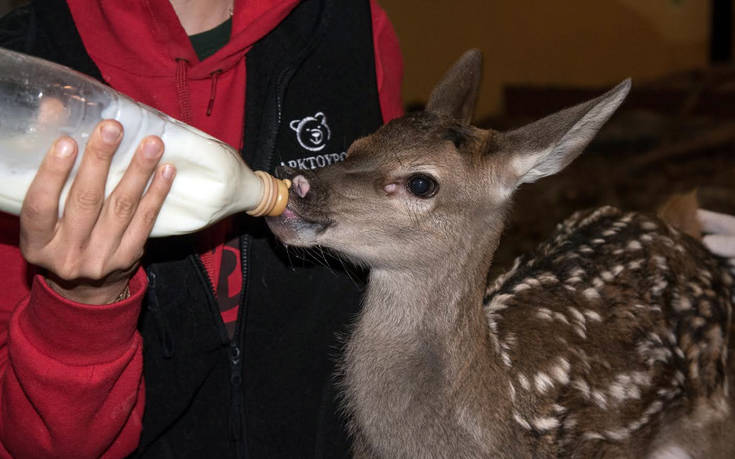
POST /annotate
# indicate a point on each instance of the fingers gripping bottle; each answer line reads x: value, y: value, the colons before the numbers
x: 40, y: 101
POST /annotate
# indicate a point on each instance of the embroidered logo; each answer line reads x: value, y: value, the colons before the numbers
x: 316, y: 161
x: 312, y: 132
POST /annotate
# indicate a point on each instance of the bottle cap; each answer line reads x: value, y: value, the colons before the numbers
x: 275, y: 196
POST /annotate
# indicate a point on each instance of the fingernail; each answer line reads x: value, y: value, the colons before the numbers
x: 168, y: 172
x: 151, y: 149
x: 110, y: 132
x: 63, y: 148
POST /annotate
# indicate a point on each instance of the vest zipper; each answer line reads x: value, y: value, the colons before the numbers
x: 237, y: 414
x: 212, y: 303
x: 237, y: 430
x: 237, y: 426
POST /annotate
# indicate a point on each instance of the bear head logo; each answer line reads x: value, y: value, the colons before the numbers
x: 312, y: 132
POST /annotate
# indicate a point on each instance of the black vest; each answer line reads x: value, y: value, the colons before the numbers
x: 270, y: 393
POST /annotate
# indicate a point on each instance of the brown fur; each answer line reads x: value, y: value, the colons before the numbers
x: 610, y: 340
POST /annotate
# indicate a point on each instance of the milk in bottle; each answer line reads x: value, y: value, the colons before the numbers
x: 40, y: 101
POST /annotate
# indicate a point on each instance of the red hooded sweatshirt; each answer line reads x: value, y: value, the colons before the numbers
x: 71, y: 382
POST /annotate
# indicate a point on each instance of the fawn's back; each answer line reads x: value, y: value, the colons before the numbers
x: 614, y: 328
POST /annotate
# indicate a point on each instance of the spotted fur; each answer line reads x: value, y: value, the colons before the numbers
x: 651, y: 333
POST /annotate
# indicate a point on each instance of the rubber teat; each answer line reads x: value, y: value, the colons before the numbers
x: 275, y: 196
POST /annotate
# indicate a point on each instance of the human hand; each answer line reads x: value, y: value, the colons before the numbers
x: 94, y: 248
x: 719, y: 232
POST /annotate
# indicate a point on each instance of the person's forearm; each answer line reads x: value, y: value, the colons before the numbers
x: 72, y: 383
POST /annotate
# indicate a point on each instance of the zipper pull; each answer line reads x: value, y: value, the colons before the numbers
x: 236, y: 388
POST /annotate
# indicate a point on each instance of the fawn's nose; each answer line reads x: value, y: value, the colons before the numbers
x: 299, y: 182
x: 300, y: 185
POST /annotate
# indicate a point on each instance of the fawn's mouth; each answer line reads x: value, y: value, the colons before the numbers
x: 292, y: 227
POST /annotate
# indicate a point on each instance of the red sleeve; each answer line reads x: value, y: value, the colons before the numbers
x: 71, y: 380
x: 388, y: 63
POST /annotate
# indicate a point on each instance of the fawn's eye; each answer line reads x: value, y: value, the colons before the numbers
x: 422, y: 186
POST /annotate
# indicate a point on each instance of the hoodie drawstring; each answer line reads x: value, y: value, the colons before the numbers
x: 212, y: 90
x: 183, y: 94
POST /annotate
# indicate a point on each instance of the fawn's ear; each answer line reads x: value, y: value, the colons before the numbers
x: 548, y: 145
x: 456, y: 93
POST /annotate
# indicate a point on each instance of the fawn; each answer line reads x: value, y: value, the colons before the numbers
x: 610, y: 339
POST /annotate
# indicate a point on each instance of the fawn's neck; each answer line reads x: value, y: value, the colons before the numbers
x: 421, y: 347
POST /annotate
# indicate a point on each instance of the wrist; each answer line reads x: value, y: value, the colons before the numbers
x: 124, y: 295
x: 101, y: 294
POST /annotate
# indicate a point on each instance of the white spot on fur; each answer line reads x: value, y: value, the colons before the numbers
x: 653, y: 408
x: 545, y: 423
x: 635, y: 264
x: 582, y: 386
x: 618, y: 434
x: 561, y: 317
x: 649, y: 226
x: 561, y: 374
x: 660, y: 262
x: 544, y: 314
x: 532, y: 281
x: 578, y: 316
x: 617, y: 391
x: 543, y: 382
x: 659, y: 286
x: 591, y: 294
x: 577, y: 272
x: 498, y: 302
x: 525, y: 384
x: 670, y: 452
x: 599, y: 399
x: 592, y: 315
x: 522, y: 422
x: 682, y: 303
x: 548, y: 279
x: 506, y: 359
x: 696, y: 289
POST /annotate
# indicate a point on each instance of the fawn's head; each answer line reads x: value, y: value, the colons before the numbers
x: 429, y: 185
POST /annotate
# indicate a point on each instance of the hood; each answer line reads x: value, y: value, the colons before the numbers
x: 143, y: 51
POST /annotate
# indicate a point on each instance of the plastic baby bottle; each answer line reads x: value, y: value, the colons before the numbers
x: 40, y: 101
